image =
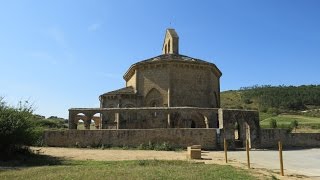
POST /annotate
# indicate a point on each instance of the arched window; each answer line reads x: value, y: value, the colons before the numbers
x: 153, y: 96
x: 168, y: 46
x: 154, y: 99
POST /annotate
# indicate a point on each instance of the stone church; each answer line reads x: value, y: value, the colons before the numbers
x: 168, y: 98
x: 167, y: 80
x: 175, y: 99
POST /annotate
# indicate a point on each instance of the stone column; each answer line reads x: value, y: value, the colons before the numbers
x: 206, y: 122
x: 72, y: 124
x: 88, y: 121
x: 169, y: 120
x: 117, y: 120
x: 103, y: 122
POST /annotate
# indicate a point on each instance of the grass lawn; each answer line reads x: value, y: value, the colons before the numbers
x: 311, y: 123
x: 140, y: 169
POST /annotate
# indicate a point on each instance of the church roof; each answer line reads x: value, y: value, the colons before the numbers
x: 172, y: 58
x: 125, y: 90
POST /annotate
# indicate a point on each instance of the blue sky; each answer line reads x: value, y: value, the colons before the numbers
x: 60, y: 54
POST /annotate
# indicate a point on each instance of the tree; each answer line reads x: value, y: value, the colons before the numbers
x: 16, y: 128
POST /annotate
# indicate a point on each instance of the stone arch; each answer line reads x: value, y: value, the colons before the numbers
x: 248, y: 125
x: 77, y: 117
x: 189, y: 120
x: 154, y: 97
x: 96, y: 120
x: 154, y: 118
x: 128, y: 119
x: 89, y: 121
x: 79, y: 120
x: 200, y: 120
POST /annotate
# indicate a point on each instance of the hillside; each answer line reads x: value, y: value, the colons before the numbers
x: 281, y: 103
x: 273, y: 98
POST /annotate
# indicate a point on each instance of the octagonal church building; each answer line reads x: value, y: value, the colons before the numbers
x: 167, y: 80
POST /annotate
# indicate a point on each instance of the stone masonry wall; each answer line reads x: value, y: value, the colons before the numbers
x: 132, y: 81
x: 270, y: 138
x: 154, y: 76
x: 192, y: 86
x: 132, y: 137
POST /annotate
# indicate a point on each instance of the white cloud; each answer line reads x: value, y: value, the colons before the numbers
x: 94, y: 27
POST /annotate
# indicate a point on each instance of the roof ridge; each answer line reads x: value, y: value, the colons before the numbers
x: 124, y: 90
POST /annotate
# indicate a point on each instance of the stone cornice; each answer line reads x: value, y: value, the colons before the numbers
x: 159, y: 62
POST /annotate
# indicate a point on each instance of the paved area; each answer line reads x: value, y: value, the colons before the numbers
x: 303, y: 162
x: 296, y: 162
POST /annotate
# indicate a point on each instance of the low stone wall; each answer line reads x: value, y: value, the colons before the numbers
x: 270, y: 138
x: 132, y: 137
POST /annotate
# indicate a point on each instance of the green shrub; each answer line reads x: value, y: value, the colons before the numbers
x: 273, y: 123
x: 294, y: 124
x: 273, y: 111
x: 247, y: 101
x: 17, y: 128
x: 165, y: 146
x: 51, y: 123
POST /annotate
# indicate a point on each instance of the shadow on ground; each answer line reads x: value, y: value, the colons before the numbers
x: 28, y: 158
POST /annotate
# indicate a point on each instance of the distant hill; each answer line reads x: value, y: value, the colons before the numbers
x: 273, y: 99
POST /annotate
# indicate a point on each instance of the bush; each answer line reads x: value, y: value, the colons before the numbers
x: 51, y: 123
x: 273, y: 123
x: 16, y: 128
x: 294, y: 124
x: 156, y: 146
x: 273, y: 111
x: 247, y: 101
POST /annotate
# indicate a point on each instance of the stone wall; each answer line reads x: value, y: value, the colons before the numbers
x: 132, y: 81
x: 192, y: 86
x: 132, y: 137
x: 246, y: 122
x: 270, y: 138
x: 154, y: 77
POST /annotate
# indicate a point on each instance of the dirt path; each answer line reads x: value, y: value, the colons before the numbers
x: 236, y: 158
x: 110, y: 155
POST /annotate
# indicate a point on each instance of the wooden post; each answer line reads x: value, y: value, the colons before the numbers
x: 281, y: 159
x: 248, y: 155
x: 225, y: 149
